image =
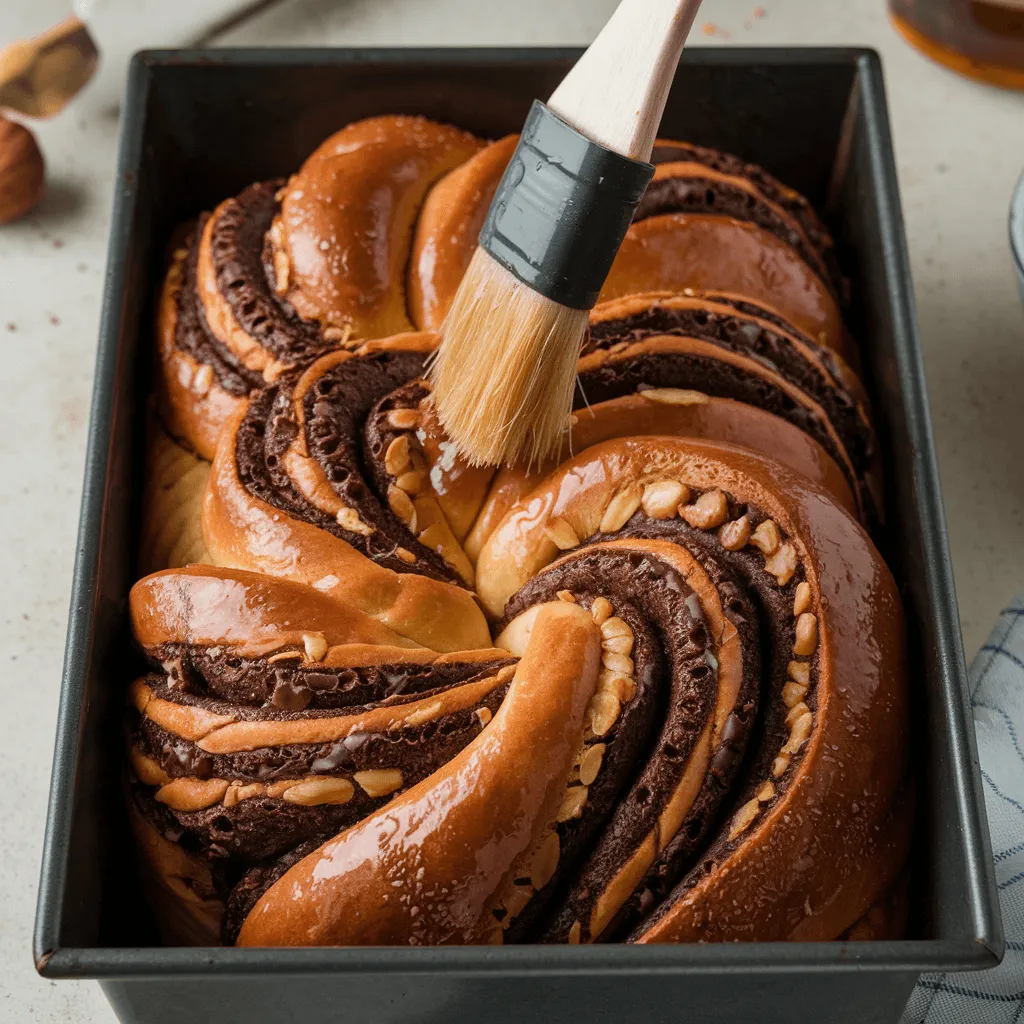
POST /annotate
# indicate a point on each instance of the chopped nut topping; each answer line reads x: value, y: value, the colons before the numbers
x: 617, y: 662
x: 801, y: 730
x: 319, y: 791
x: 806, y: 634
x: 735, y: 535
x: 401, y: 504
x: 403, y: 419
x: 780, y: 764
x: 602, y: 712
x: 601, y: 609
x: 660, y: 500
x: 707, y: 512
x: 396, y: 458
x: 620, y: 509
x: 590, y: 763
x: 348, y: 519
x: 231, y: 796
x: 766, y: 537
x: 413, y: 482
x: 484, y: 714
x: 797, y: 711
x: 561, y: 534
x: 284, y: 656
x: 782, y: 564
x: 766, y: 792
x: 800, y: 672
x: 623, y: 687
x: 675, y: 396
x: 792, y: 694
x: 743, y: 818
x: 616, y: 627
x: 544, y: 861
x: 618, y: 645
x: 186, y: 794
x: 406, y: 556
x: 379, y: 781
x: 566, y: 596
x: 802, y: 599
x: 147, y: 770
x: 616, y: 636
x: 572, y: 803
x: 315, y: 645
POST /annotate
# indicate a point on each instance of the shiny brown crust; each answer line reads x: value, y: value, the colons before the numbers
x: 678, y: 624
x: 347, y: 218
x: 847, y: 859
x: 700, y: 207
x: 795, y: 205
x: 198, y: 386
x: 284, y: 271
x: 707, y: 252
x: 447, y: 230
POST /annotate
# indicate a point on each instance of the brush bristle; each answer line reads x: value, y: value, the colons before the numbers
x: 504, y: 375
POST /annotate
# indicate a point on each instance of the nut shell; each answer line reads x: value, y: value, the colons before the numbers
x: 21, y: 171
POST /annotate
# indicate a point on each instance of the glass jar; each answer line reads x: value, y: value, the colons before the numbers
x: 983, y: 39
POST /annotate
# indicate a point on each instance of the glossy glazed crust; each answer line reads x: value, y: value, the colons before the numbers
x: 730, y: 228
x: 360, y: 193
x: 693, y: 646
x: 707, y: 251
x: 244, y: 532
x: 192, y: 401
x: 811, y: 849
x: 456, y: 840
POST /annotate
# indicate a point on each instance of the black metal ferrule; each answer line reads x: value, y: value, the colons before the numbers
x: 562, y: 209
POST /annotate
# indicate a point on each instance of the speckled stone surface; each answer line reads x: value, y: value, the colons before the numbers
x: 959, y: 149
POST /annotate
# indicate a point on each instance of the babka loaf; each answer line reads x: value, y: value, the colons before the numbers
x: 653, y: 690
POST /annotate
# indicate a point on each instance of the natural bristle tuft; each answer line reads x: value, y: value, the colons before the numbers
x: 504, y: 375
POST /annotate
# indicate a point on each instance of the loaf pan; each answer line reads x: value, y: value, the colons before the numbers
x: 198, y: 126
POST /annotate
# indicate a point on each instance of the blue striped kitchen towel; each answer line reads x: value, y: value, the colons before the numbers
x: 997, y: 696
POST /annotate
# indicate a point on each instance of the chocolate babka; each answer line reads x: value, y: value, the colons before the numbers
x: 651, y: 691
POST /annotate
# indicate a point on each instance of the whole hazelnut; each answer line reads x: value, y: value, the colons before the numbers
x: 21, y: 170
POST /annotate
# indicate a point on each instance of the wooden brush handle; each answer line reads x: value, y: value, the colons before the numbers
x: 615, y: 94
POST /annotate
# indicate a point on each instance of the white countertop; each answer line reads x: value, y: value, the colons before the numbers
x: 959, y: 148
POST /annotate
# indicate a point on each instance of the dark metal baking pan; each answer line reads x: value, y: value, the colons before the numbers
x: 198, y: 126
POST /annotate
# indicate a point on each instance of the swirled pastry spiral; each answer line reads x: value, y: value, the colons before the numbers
x: 651, y: 691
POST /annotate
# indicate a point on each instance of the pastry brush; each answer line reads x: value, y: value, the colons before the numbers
x: 504, y: 374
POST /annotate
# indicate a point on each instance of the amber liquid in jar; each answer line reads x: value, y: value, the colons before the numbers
x: 983, y: 39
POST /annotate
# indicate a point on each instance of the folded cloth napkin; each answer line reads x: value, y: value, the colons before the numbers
x: 997, y: 696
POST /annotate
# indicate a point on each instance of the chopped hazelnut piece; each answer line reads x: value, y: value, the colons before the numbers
x: 620, y: 509
x: 707, y: 512
x: 561, y: 534
x: 735, y: 535
x: 661, y: 499
x: 766, y: 537
x: 806, y: 634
